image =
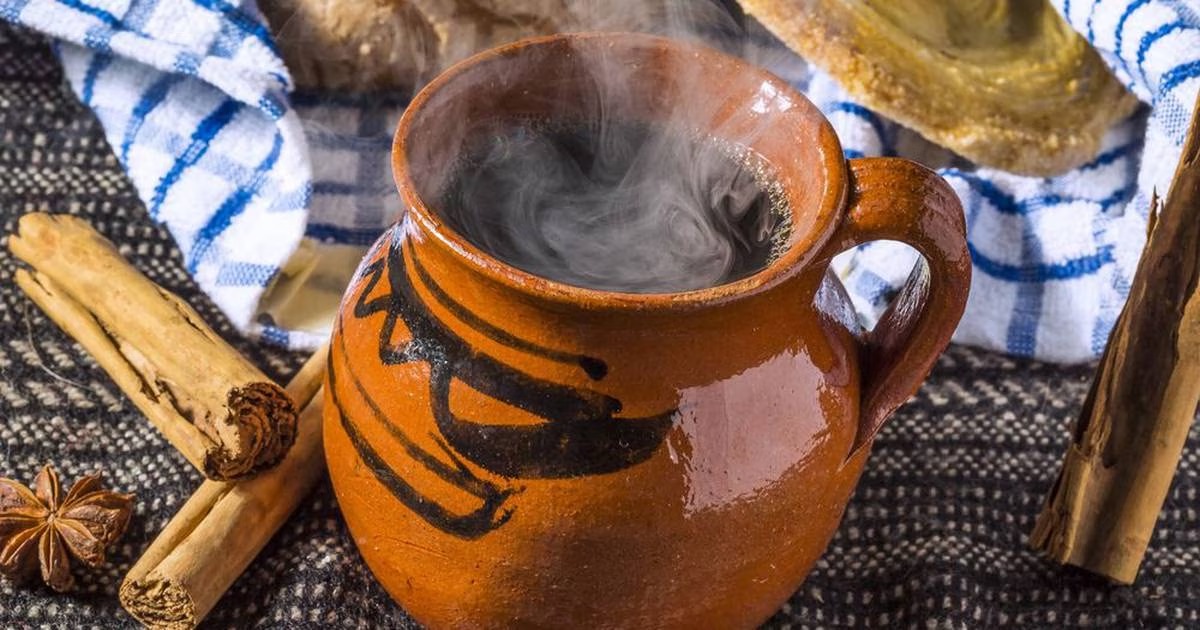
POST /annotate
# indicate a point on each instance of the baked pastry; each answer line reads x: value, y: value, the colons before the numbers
x: 353, y: 45
x: 464, y: 27
x: 369, y: 45
x: 1005, y: 83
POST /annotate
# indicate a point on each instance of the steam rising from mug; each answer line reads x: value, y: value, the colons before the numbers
x: 590, y: 195
x: 614, y: 206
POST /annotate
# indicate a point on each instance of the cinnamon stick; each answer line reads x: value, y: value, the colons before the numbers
x: 1127, y: 443
x: 223, y: 526
x: 226, y: 417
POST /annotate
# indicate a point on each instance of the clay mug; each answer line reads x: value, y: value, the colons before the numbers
x: 510, y: 451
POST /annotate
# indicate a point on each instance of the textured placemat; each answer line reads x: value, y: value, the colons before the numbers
x: 935, y: 535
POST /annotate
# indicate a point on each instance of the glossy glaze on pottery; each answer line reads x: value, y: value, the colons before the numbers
x: 509, y: 451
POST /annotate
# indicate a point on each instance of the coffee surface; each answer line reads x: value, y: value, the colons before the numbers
x: 617, y: 207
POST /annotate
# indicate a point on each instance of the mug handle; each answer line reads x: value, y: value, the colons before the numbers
x: 900, y: 200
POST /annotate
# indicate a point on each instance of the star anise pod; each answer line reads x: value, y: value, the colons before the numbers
x: 40, y: 527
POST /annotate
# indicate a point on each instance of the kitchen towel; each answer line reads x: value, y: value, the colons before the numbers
x: 1053, y: 257
x: 273, y: 196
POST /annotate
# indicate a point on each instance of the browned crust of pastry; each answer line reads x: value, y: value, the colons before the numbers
x: 1038, y: 113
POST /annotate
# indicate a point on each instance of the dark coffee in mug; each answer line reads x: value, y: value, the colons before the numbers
x: 615, y: 206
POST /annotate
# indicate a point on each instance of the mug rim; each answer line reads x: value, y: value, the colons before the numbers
x: 801, y: 249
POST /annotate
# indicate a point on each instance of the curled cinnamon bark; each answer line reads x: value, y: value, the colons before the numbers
x: 223, y: 526
x: 1127, y: 443
x: 226, y: 417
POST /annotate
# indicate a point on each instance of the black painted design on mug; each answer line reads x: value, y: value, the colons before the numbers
x: 487, y: 517
x: 593, y: 367
x: 581, y: 435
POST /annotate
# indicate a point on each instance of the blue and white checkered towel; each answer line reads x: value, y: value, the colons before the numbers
x: 1053, y: 257
x: 273, y: 196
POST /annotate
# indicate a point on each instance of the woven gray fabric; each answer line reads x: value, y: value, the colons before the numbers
x: 935, y: 535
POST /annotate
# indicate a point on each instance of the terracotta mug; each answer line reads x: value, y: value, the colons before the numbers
x: 512, y: 451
